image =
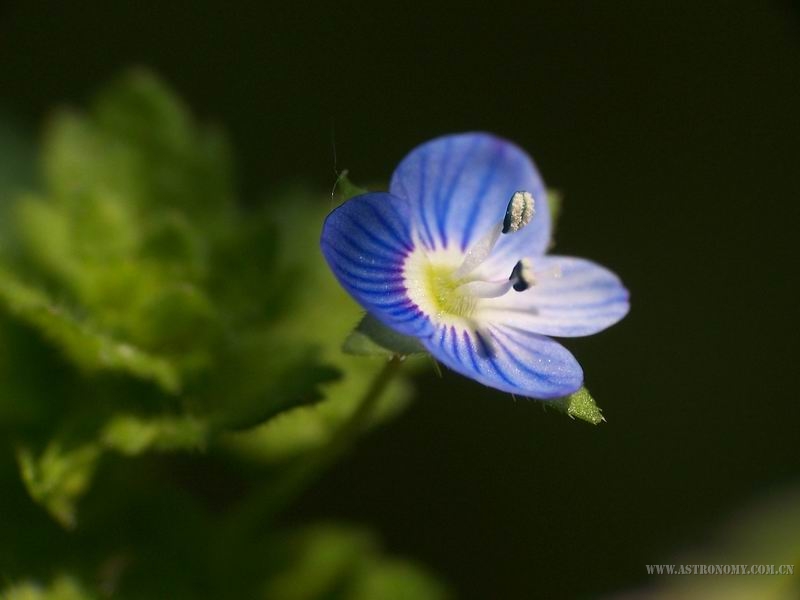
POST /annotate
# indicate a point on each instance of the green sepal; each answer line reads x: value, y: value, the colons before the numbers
x: 579, y: 405
x: 555, y: 200
x: 373, y: 338
x: 344, y: 189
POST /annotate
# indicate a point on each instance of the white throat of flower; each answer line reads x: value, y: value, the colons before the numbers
x: 446, y: 284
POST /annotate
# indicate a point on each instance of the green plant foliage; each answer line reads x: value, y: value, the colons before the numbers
x: 87, y: 347
x: 152, y: 329
x: 132, y: 435
x: 328, y: 561
x: 372, y: 338
x: 323, y: 316
x: 16, y: 174
x: 125, y: 267
x: 62, y: 588
x: 172, y: 370
x: 59, y: 476
x: 135, y: 197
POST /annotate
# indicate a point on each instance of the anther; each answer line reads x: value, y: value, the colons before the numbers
x: 519, y: 212
x: 522, y: 276
x: 520, y: 280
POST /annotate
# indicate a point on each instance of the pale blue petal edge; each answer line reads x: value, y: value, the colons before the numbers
x: 572, y: 297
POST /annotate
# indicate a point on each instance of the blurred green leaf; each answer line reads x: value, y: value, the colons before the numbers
x: 393, y: 579
x: 193, y: 324
x: 764, y: 533
x: 135, y: 197
x: 321, y: 560
x: 26, y: 396
x: 132, y: 434
x: 579, y: 405
x: 309, y: 322
x: 334, y: 561
x: 246, y: 278
x: 17, y: 173
x: 373, y: 338
x: 140, y: 140
x: 87, y: 347
x: 62, y: 588
x: 59, y: 476
x: 258, y: 376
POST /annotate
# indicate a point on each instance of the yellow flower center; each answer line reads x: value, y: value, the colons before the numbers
x: 433, y: 286
x: 442, y: 289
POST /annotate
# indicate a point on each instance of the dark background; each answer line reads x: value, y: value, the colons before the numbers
x: 673, y: 129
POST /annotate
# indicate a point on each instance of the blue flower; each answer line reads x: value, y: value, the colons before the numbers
x: 454, y: 255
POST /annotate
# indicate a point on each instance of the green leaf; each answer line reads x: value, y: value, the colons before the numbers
x: 17, y: 173
x: 87, y: 347
x: 393, y: 579
x: 333, y: 560
x: 131, y: 258
x: 321, y: 560
x: 373, y: 338
x: 321, y: 315
x: 140, y: 141
x: 59, y: 476
x: 63, y: 587
x: 17, y: 154
x: 133, y: 435
x: 579, y: 405
x: 259, y: 375
x: 136, y: 196
x: 239, y: 285
x: 26, y: 396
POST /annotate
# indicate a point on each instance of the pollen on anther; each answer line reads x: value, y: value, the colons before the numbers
x: 519, y: 212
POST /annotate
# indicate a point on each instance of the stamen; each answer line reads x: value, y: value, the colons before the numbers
x: 519, y: 213
x: 485, y: 289
x: 522, y: 276
x: 521, y: 279
x: 479, y: 251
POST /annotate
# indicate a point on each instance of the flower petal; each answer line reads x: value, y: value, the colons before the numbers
x: 365, y: 241
x: 571, y: 297
x: 459, y: 186
x: 508, y: 359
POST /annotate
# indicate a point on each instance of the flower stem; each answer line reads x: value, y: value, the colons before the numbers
x: 297, y: 479
x: 348, y: 433
x: 267, y: 500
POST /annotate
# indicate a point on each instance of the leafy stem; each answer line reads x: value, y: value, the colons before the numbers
x: 263, y: 503
x: 299, y: 476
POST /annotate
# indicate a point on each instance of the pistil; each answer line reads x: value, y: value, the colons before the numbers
x: 519, y: 213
